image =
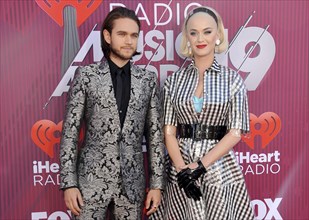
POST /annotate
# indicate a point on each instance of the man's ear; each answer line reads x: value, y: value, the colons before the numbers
x: 107, y: 36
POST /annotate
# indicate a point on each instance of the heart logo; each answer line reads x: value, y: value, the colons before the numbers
x: 267, y: 126
x: 46, y: 134
x: 83, y: 8
x: 43, y: 135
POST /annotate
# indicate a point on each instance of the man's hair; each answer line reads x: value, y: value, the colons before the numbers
x: 108, y: 24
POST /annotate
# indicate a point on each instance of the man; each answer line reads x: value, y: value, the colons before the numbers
x: 119, y: 103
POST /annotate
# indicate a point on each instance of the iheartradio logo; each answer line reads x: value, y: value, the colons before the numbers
x: 55, y: 9
x: 46, y: 134
x: 267, y: 126
x: 69, y: 14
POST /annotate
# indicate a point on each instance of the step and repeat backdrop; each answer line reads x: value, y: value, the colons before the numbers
x: 44, y: 41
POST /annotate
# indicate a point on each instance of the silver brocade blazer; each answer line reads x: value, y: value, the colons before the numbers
x: 107, y: 151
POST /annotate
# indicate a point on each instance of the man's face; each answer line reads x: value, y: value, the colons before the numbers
x: 123, y: 40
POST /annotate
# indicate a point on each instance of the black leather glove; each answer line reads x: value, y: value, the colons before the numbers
x: 193, y: 191
x: 189, y: 186
x: 200, y: 170
x: 186, y: 179
x: 187, y: 175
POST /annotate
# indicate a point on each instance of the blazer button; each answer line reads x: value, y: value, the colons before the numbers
x: 118, y: 158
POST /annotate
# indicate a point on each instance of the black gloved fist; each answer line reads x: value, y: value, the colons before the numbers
x: 198, y: 171
x: 186, y: 179
x: 185, y: 176
x: 193, y: 191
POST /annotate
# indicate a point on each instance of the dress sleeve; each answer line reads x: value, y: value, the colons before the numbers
x: 170, y: 117
x: 238, y: 117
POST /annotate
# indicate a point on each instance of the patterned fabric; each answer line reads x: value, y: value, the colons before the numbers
x: 120, y: 206
x: 225, y: 103
x: 109, y: 153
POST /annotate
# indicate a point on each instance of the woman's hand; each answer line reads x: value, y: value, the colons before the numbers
x: 191, y: 166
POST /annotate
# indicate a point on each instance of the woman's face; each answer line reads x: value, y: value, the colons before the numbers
x: 202, y: 33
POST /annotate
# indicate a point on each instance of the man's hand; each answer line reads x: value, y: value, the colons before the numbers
x: 73, y: 200
x: 152, y: 201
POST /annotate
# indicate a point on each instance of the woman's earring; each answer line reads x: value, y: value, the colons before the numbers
x: 218, y: 42
x: 189, y: 48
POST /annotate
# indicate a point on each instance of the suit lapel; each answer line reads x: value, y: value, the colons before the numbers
x: 106, y: 80
x: 105, y: 75
x: 136, y: 78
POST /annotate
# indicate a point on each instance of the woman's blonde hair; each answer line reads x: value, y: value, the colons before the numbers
x: 184, y: 49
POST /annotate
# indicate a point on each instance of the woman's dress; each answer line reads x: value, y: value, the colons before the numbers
x: 224, y: 194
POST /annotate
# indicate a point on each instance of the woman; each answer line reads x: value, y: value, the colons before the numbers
x: 206, y: 105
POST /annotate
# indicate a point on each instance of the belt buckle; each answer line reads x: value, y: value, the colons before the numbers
x: 197, y: 133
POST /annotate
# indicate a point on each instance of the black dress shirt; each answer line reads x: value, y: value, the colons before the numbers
x: 126, y: 82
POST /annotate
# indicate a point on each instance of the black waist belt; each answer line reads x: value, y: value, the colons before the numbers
x: 200, y: 131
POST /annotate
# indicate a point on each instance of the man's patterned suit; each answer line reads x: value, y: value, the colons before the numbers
x: 107, y: 151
